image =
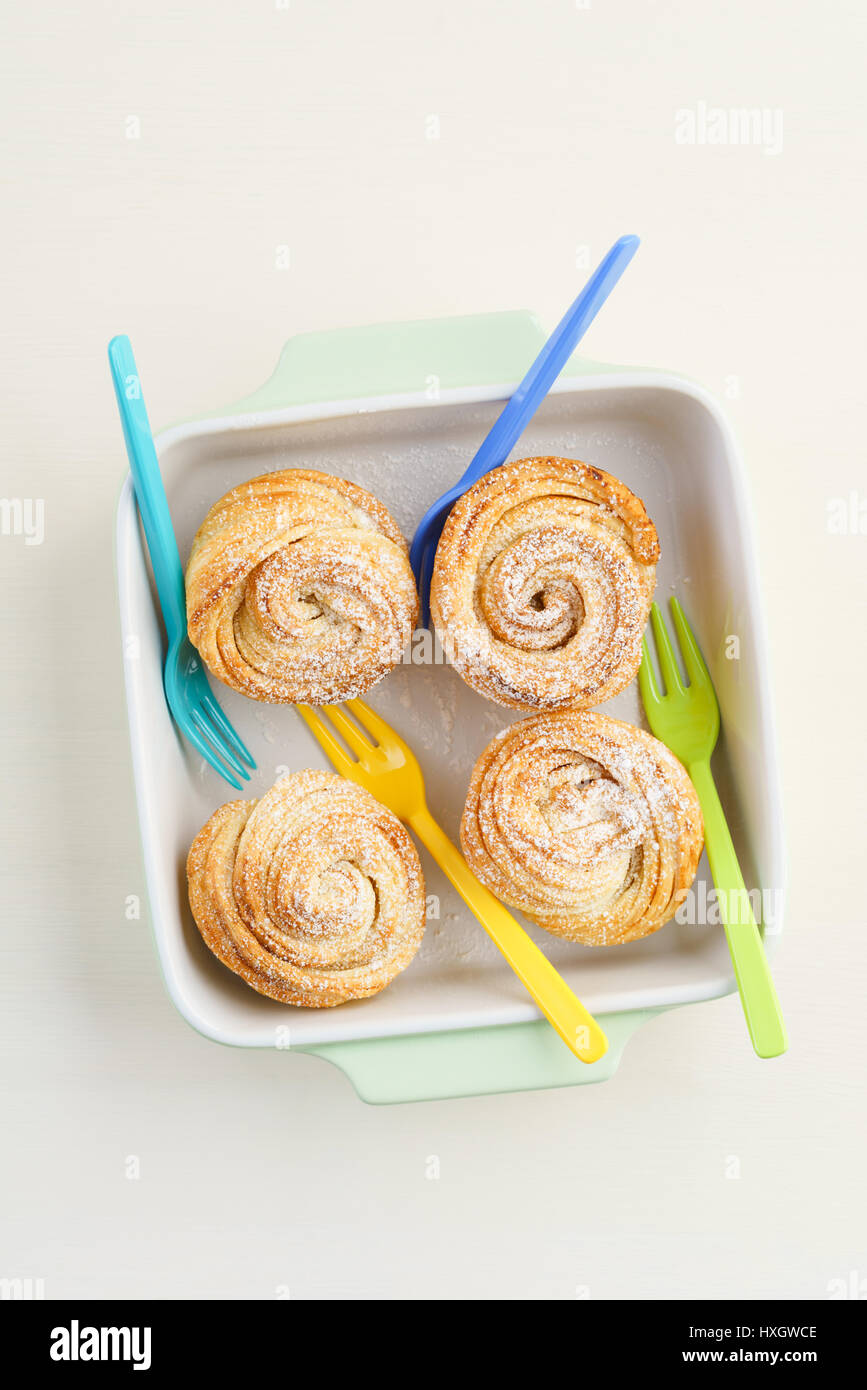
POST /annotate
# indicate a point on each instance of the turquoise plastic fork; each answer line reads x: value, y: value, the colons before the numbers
x: 686, y: 719
x: 193, y: 707
x: 520, y: 409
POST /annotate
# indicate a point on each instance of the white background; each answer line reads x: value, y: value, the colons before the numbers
x: 307, y: 126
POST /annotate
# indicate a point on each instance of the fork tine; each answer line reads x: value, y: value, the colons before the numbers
x: 646, y: 678
x: 205, y: 727
x: 665, y: 653
x: 376, y: 727
x: 213, y: 709
x: 210, y: 733
x: 689, y: 648
x: 349, y: 731
x: 207, y: 753
x: 326, y: 740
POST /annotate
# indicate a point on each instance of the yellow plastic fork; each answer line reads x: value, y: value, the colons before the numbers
x: 389, y: 770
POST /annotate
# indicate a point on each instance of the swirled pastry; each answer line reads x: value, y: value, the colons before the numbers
x: 588, y: 825
x: 299, y: 589
x: 313, y: 895
x: 542, y: 584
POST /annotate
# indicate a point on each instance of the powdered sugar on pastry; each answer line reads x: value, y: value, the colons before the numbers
x: 299, y: 589
x: 542, y: 585
x: 588, y: 825
x: 313, y: 895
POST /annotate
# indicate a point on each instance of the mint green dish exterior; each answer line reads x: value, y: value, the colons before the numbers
x: 388, y: 358
x: 475, y: 1061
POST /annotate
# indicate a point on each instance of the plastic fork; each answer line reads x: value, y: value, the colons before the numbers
x: 389, y: 770
x: 520, y: 409
x: 686, y: 719
x: 193, y: 707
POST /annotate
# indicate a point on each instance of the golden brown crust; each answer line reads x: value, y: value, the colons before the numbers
x: 299, y: 589
x: 542, y: 584
x: 590, y: 826
x: 314, y: 895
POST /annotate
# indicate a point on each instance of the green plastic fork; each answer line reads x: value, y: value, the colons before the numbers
x: 686, y: 719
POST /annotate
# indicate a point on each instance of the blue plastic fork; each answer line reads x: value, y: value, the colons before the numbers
x: 520, y: 409
x: 193, y: 707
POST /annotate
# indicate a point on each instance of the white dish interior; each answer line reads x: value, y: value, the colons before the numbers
x: 662, y: 436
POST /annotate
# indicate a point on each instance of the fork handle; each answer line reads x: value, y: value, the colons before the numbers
x: 149, y: 491
x: 528, y: 396
x: 752, y: 972
x: 566, y: 1014
x: 523, y: 403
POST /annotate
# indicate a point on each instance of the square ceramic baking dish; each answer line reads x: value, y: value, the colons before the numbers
x: 400, y: 408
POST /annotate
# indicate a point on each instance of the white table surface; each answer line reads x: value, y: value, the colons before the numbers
x: 308, y: 126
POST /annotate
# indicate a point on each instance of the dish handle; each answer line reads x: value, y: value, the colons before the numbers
x: 422, y: 356
x: 474, y: 1061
